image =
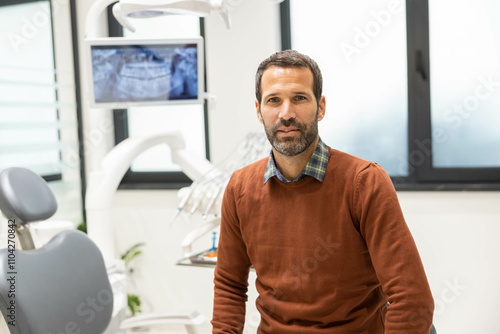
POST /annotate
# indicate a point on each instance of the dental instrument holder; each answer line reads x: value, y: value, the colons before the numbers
x: 254, y: 147
x: 196, y: 234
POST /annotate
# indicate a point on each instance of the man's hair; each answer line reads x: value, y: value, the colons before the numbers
x: 290, y: 58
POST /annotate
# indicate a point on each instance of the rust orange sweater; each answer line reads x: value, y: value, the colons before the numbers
x: 328, y: 255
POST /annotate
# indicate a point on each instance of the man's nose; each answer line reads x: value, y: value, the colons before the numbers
x: 287, y: 110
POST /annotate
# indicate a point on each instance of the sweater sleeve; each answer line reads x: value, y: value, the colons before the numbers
x: 231, y: 272
x: 393, y: 252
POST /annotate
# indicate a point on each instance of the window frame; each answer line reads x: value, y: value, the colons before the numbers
x: 422, y: 176
x: 152, y: 180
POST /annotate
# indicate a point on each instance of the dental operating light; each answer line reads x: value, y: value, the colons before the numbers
x: 125, y: 9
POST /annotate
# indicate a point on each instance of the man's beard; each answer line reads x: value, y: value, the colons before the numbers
x: 292, y: 146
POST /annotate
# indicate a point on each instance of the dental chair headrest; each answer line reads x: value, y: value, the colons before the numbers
x: 25, y: 196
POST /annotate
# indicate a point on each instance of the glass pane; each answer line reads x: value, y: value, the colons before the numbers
x: 360, y: 47
x: 465, y: 83
x: 186, y: 119
x: 27, y: 88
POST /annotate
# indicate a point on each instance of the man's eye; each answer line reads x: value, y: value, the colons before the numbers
x: 300, y: 98
x: 272, y: 100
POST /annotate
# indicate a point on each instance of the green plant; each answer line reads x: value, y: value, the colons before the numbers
x: 131, y: 253
x: 133, y: 301
x: 83, y: 226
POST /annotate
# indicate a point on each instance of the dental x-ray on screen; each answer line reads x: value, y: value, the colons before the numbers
x: 129, y: 72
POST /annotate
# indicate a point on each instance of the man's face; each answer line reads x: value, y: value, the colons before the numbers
x: 289, y: 110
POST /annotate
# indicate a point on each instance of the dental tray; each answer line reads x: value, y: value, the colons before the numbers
x: 205, y: 257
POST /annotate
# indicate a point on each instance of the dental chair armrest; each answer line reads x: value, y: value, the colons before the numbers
x: 179, y: 318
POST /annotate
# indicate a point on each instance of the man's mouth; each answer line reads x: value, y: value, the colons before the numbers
x: 288, y: 130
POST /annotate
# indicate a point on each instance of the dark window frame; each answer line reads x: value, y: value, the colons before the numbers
x: 422, y: 175
x: 151, y: 180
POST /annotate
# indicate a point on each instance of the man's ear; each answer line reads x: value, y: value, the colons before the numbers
x: 321, y: 108
x: 259, y: 115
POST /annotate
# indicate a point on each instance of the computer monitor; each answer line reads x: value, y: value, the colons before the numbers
x: 131, y: 72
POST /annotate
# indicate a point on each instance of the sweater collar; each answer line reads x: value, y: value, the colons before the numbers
x: 315, y: 167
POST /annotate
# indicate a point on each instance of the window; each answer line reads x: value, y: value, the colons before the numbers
x: 28, y: 90
x: 154, y: 167
x: 38, y: 109
x: 358, y: 52
x: 408, y: 85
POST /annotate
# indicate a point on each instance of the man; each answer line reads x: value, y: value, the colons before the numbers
x: 323, y: 229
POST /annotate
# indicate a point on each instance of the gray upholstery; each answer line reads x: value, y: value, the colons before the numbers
x: 25, y: 197
x: 59, y: 288
x: 62, y: 287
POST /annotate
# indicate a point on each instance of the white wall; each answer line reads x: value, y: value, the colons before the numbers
x: 456, y: 232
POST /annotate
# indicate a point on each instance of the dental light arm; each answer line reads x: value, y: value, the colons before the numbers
x: 103, y: 183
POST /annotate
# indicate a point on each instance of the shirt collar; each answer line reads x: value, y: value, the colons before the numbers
x: 315, y: 167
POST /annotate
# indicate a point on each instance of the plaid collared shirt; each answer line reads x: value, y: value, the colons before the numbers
x: 315, y: 167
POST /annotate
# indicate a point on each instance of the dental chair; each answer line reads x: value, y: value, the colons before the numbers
x: 62, y: 287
